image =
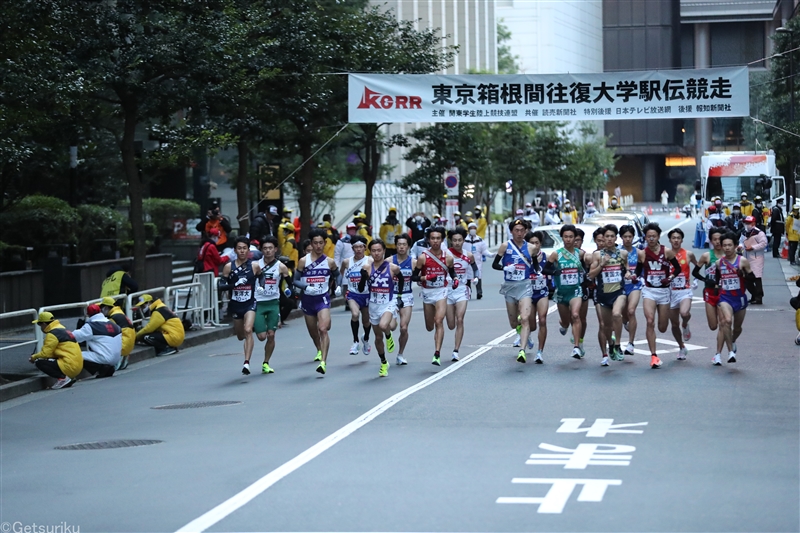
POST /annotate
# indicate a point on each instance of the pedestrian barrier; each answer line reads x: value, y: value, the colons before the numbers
x: 129, y: 302
x: 193, y: 296
x: 210, y: 299
x: 37, y: 332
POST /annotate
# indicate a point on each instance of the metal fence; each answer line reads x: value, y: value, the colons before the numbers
x: 20, y: 337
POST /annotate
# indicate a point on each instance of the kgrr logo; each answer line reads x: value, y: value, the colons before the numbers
x: 373, y: 99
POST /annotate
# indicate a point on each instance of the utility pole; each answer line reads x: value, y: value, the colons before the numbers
x: 791, y: 193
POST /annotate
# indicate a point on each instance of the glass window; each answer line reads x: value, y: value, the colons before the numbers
x: 687, y: 45
x: 736, y: 43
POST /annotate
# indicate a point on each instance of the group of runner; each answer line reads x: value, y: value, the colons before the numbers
x: 378, y: 291
x: 616, y: 277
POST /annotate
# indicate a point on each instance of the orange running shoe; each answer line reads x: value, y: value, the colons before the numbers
x: 655, y: 362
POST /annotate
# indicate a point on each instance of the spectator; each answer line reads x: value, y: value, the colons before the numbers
x: 330, y: 243
x: 289, y: 247
x: 479, y: 249
x: 103, y: 340
x: 761, y: 213
x: 214, y: 219
x: 552, y: 217
x: 793, y: 232
x: 360, y: 221
x: 469, y: 218
x: 532, y: 216
x: 458, y: 221
x: 164, y: 331
x: 614, y: 204
x: 735, y: 222
x: 480, y: 220
x: 343, y: 250
x: 264, y: 223
x: 589, y: 212
x: 389, y: 228
x: 287, y: 219
x: 569, y: 214
x: 417, y: 223
x: 776, y: 227
x: 60, y: 356
x: 664, y: 200
x: 208, y: 256
x: 754, y: 243
x: 118, y: 281
x: 115, y: 313
x: 746, y: 205
x: 332, y: 231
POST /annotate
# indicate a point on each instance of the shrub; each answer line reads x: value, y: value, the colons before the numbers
x: 97, y: 222
x: 40, y: 220
x: 162, y: 211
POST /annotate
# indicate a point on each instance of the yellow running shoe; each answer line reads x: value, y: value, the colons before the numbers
x: 321, y: 367
x: 384, y: 370
x: 390, y: 343
x: 319, y: 356
x: 266, y: 369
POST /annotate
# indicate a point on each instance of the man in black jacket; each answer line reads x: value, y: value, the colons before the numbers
x: 777, y: 221
x: 264, y: 223
x: 418, y: 223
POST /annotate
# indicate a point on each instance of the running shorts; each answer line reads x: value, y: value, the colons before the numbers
x: 678, y: 296
x: 312, y: 305
x: 461, y: 294
x: 237, y: 310
x: 268, y: 314
x: 431, y: 296
x: 737, y: 303
x: 361, y: 299
x: 408, y: 299
x: 514, y: 291
x: 607, y: 299
x: 377, y: 311
x: 630, y: 287
x: 660, y: 295
x: 711, y: 297
x: 566, y: 293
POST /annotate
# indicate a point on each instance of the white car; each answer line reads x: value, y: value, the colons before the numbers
x: 553, y: 240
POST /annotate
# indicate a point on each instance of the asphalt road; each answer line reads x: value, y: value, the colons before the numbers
x: 428, y: 448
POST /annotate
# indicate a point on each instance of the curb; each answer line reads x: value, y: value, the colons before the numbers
x: 40, y: 382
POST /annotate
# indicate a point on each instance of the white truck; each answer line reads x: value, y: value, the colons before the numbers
x: 729, y: 174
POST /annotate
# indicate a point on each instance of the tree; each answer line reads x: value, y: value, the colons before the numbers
x: 506, y: 61
x: 589, y: 162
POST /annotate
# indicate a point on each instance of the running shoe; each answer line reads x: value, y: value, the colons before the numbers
x: 604, y: 362
x: 169, y: 351
x: 616, y: 353
x: 682, y: 353
x: 354, y: 348
x: 319, y: 356
x: 530, y: 341
x: 384, y: 371
x: 123, y: 363
x: 455, y: 357
x: 655, y: 362
x: 390, y: 343
x: 436, y: 361
x: 576, y: 353
x: 62, y: 383
x: 517, y: 341
x: 401, y: 360
x: 687, y: 333
x: 717, y: 361
x: 538, y: 360
x: 625, y: 325
x: 266, y: 369
x: 521, y: 357
x: 321, y: 368
x: 613, y: 337
x: 583, y: 352
x: 733, y: 348
x: 563, y: 331
x: 731, y: 357
x: 365, y: 346
x: 629, y: 349
x: 246, y: 368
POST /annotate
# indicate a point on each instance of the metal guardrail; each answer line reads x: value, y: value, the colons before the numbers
x: 129, y: 306
x: 210, y: 302
x: 37, y: 332
x: 193, y: 293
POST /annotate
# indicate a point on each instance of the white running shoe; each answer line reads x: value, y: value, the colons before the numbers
x: 401, y: 360
x: 604, y: 362
x: 61, y: 383
x: 455, y: 356
x: 687, y: 333
x: 354, y: 348
x: 365, y: 346
x: 538, y: 360
x: 682, y: 353
x: 517, y: 341
x: 530, y: 341
x: 576, y: 353
x: 246, y: 369
x: 731, y: 357
x: 717, y: 361
x: 629, y: 349
x: 734, y: 348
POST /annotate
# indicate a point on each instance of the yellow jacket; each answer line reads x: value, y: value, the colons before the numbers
x: 362, y: 230
x: 746, y: 207
x: 791, y: 234
x: 481, y: 222
x: 59, y: 344
x: 330, y: 246
x: 164, y: 320
x: 571, y: 214
x: 614, y: 208
x: 387, y: 234
x: 290, y: 250
x: 118, y: 316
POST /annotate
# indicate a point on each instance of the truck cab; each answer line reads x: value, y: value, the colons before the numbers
x: 729, y: 174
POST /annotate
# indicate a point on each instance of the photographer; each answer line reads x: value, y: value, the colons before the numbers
x: 215, y: 220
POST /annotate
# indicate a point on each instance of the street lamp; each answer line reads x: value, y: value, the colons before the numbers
x: 790, y: 192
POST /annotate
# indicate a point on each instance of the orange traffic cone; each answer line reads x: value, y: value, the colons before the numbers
x: 649, y: 209
x: 785, y: 248
x: 678, y: 212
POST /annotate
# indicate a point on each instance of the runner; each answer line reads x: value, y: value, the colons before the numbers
x: 731, y: 272
x: 567, y: 265
x: 633, y: 290
x: 539, y: 300
x: 658, y: 266
x: 268, y: 312
x: 316, y: 274
x: 402, y: 242
x: 241, y: 280
x: 516, y: 259
x: 377, y: 276
x: 586, y: 284
x: 609, y: 266
x: 479, y: 249
x: 357, y: 300
x: 681, y: 294
x: 711, y: 290
x: 458, y: 297
x: 433, y: 265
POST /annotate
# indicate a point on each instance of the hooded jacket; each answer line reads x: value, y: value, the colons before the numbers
x: 103, y: 338
x: 164, y: 320
x: 60, y: 344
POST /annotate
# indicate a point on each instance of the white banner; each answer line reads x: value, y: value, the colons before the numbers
x: 720, y: 92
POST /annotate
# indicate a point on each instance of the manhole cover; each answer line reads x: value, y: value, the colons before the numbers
x: 195, y: 405
x: 108, y: 444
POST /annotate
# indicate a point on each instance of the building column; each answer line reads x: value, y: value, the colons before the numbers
x: 649, y: 179
x: 702, y: 59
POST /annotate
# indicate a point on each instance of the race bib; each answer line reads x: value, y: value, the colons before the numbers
x: 656, y: 279
x: 436, y: 283
x: 730, y: 284
x: 243, y: 293
x: 539, y: 283
x: 379, y: 295
x: 570, y: 276
x: 679, y: 283
x: 270, y: 287
x: 518, y: 274
x: 612, y: 275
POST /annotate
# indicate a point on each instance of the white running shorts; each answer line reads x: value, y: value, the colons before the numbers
x: 377, y: 311
x: 461, y: 294
x: 408, y: 299
x: 678, y: 296
x: 431, y: 296
x: 661, y: 295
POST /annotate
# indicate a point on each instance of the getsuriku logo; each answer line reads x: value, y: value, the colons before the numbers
x: 373, y: 99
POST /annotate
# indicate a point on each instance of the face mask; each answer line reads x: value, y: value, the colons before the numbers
x: 748, y: 228
x: 737, y: 212
x: 473, y: 232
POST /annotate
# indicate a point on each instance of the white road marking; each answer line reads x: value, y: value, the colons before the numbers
x: 675, y: 346
x: 237, y: 501
x: 560, y: 491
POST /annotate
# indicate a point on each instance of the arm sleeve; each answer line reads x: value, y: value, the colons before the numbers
x: 83, y: 334
x: 639, y: 269
x: 128, y: 281
x: 362, y: 283
x: 415, y: 274
x: 401, y: 283
x: 676, y: 266
x: 452, y: 272
x: 48, y: 347
x: 548, y: 269
x: 156, y: 321
x: 298, y: 279
x: 696, y: 273
x: 497, y: 264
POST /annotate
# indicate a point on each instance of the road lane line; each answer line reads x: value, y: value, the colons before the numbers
x: 237, y: 501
